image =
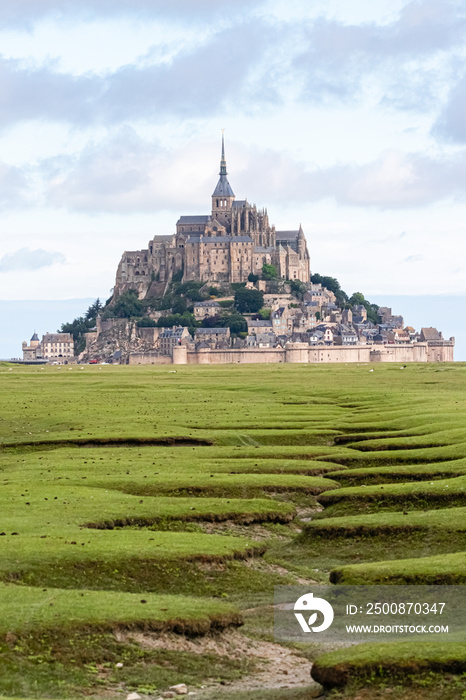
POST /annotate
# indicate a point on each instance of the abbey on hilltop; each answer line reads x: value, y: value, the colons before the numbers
x: 227, y: 245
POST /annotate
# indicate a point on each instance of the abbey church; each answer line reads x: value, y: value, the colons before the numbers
x: 227, y: 245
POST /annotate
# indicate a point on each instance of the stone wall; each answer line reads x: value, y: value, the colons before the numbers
x: 440, y: 351
x: 299, y: 353
x: 148, y: 358
x: 302, y: 353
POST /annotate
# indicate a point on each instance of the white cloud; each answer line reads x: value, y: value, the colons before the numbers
x: 27, y: 259
x: 339, y: 58
x: 128, y: 174
x: 13, y: 186
x: 451, y: 124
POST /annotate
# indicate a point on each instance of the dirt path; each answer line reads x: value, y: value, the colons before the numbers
x: 277, y: 666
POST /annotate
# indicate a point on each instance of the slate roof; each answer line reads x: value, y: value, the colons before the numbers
x: 260, y: 324
x: 227, y: 239
x: 223, y: 188
x: 172, y: 333
x: 430, y: 334
x: 207, y: 303
x: 57, y: 338
x: 202, y: 219
x: 286, y: 235
x: 211, y: 331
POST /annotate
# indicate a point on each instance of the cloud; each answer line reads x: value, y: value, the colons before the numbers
x: 199, y: 80
x: 247, y: 66
x: 414, y: 258
x: 24, y: 13
x: 127, y: 173
x: 337, y: 57
x: 396, y: 180
x: 451, y: 124
x: 27, y: 259
x: 13, y: 186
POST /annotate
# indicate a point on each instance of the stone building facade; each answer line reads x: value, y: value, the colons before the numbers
x: 53, y: 346
x: 227, y: 245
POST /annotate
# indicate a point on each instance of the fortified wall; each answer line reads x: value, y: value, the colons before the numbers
x: 296, y: 353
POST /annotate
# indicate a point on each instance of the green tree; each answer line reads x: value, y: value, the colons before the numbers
x: 298, y: 288
x: 248, y: 300
x: 234, y: 321
x: 358, y: 299
x: 211, y: 322
x: 265, y: 314
x: 146, y: 322
x: 180, y: 306
x: 333, y: 285
x: 318, y: 316
x: 190, y: 289
x: 269, y: 272
x: 128, y: 305
x: 185, y: 319
x: 253, y: 278
x: 77, y: 328
x: 94, y: 309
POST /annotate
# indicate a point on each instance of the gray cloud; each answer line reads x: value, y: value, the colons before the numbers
x: 127, y: 173
x: 25, y: 13
x: 27, y: 259
x: 197, y: 81
x: 338, y: 57
x: 248, y: 66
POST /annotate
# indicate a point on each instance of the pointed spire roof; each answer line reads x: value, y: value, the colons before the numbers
x: 35, y: 336
x: 223, y: 188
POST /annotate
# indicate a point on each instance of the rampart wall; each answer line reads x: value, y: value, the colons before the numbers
x: 295, y: 353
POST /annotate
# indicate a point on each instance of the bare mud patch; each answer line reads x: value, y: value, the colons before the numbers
x: 276, y: 666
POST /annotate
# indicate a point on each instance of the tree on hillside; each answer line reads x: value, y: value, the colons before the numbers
x: 298, y: 288
x: 211, y: 322
x: 190, y: 289
x: 185, y: 319
x: 253, y: 278
x: 333, y: 285
x: 269, y: 272
x: 358, y: 299
x: 81, y: 325
x: 248, y: 300
x: 94, y: 309
x: 146, y: 322
x: 234, y: 321
x: 180, y: 306
x: 127, y: 305
x: 265, y: 314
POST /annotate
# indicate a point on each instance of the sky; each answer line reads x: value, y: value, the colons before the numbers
x: 346, y: 117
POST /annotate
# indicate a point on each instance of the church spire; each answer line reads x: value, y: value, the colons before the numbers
x: 223, y: 188
x: 223, y: 163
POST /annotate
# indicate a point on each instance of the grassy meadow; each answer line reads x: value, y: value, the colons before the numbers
x: 168, y: 503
